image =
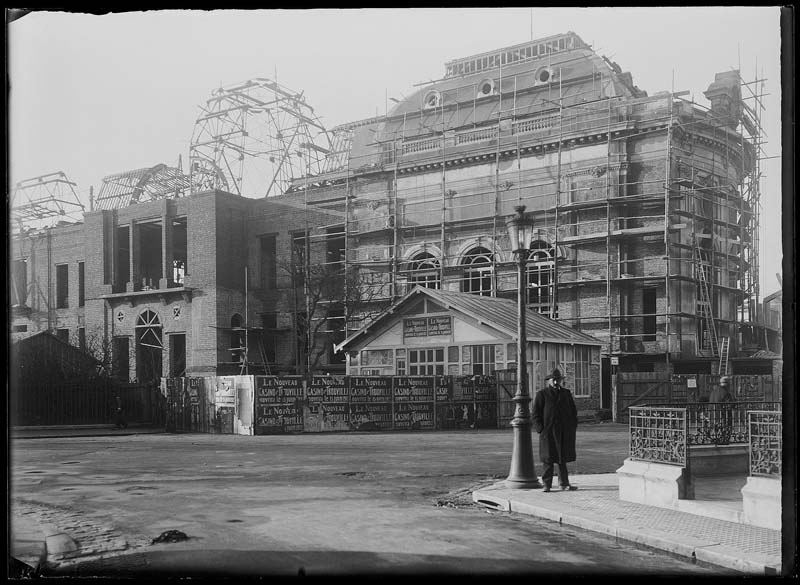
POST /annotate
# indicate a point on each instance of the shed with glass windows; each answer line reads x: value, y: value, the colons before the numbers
x: 434, y: 332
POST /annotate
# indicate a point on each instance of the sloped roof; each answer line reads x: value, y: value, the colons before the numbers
x: 501, y: 314
x: 33, y: 353
x: 762, y: 354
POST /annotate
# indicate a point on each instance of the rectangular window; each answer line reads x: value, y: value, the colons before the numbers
x: 120, y: 364
x: 426, y: 362
x: 482, y: 359
x: 582, y: 380
x: 19, y: 328
x: 649, y: 312
x: 63, y: 335
x: 19, y: 288
x: 268, y: 262
x: 82, y: 338
x: 270, y: 323
x: 62, y: 286
x: 401, y: 367
x: 81, y: 284
x: 334, y: 243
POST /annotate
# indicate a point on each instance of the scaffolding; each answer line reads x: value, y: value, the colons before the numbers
x: 420, y: 212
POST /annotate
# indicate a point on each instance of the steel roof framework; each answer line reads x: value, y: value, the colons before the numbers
x: 141, y: 186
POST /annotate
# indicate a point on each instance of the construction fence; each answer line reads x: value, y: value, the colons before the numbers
x: 262, y: 405
x: 84, y: 402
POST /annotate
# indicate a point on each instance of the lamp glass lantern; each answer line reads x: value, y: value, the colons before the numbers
x: 520, y: 230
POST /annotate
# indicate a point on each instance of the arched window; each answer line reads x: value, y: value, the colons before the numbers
x: 477, y: 272
x: 423, y: 270
x: 149, y: 346
x: 541, y: 268
x: 148, y: 330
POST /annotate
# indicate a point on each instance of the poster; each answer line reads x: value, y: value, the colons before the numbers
x: 412, y: 388
x: 414, y: 415
x: 370, y: 389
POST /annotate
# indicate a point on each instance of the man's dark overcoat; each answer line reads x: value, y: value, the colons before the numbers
x: 555, y: 418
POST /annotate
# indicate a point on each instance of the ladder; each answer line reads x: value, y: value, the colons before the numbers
x: 704, y: 304
x: 724, y: 349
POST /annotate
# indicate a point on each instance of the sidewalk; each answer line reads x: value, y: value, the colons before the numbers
x: 709, y: 532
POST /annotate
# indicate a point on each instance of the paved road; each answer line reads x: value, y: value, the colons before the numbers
x: 320, y: 504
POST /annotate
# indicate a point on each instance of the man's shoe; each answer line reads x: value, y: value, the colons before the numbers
x: 570, y: 488
x: 546, y: 488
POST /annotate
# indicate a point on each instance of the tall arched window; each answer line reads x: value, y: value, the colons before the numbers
x: 423, y: 270
x: 541, y: 268
x: 149, y: 346
x: 477, y: 272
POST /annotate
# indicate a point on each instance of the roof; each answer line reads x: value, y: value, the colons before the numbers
x: 141, y: 185
x: 762, y: 354
x: 33, y: 353
x: 500, y: 314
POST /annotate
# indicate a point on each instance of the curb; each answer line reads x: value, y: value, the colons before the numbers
x: 691, y: 548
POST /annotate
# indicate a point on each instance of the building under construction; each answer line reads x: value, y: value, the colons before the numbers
x: 646, y: 210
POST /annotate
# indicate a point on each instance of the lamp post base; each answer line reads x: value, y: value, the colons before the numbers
x: 523, y: 484
x: 522, y: 475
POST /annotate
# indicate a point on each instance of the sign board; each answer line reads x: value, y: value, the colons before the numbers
x: 614, y: 361
x: 691, y: 382
x: 427, y: 326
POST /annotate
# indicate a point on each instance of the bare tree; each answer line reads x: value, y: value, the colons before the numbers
x: 331, y: 295
x: 96, y: 345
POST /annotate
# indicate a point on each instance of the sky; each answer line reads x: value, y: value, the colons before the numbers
x: 94, y: 95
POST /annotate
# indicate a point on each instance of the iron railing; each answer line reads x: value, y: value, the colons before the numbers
x: 765, y: 438
x: 720, y: 423
x: 658, y: 434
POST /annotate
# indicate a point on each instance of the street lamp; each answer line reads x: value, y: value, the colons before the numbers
x: 523, y: 473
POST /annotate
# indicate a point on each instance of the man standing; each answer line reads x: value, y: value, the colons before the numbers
x: 555, y: 418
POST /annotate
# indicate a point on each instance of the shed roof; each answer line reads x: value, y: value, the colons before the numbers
x: 501, y: 314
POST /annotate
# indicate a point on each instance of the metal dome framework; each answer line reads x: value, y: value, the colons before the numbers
x: 253, y: 138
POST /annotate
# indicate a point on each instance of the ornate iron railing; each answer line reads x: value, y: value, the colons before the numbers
x: 658, y: 434
x: 720, y: 423
x: 765, y: 438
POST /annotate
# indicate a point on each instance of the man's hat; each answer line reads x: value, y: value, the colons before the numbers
x: 554, y: 375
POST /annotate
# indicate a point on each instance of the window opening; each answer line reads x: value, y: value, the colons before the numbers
x: 540, y: 270
x: 62, y: 286
x: 424, y: 271
x: 81, y: 284
x: 19, y: 287
x: 482, y: 359
x: 426, y: 362
x: 148, y: 347
x: 179, y: 252
x: 478, y: 272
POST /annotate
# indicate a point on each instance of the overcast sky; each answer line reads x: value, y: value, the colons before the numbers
x: 96, y: 95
